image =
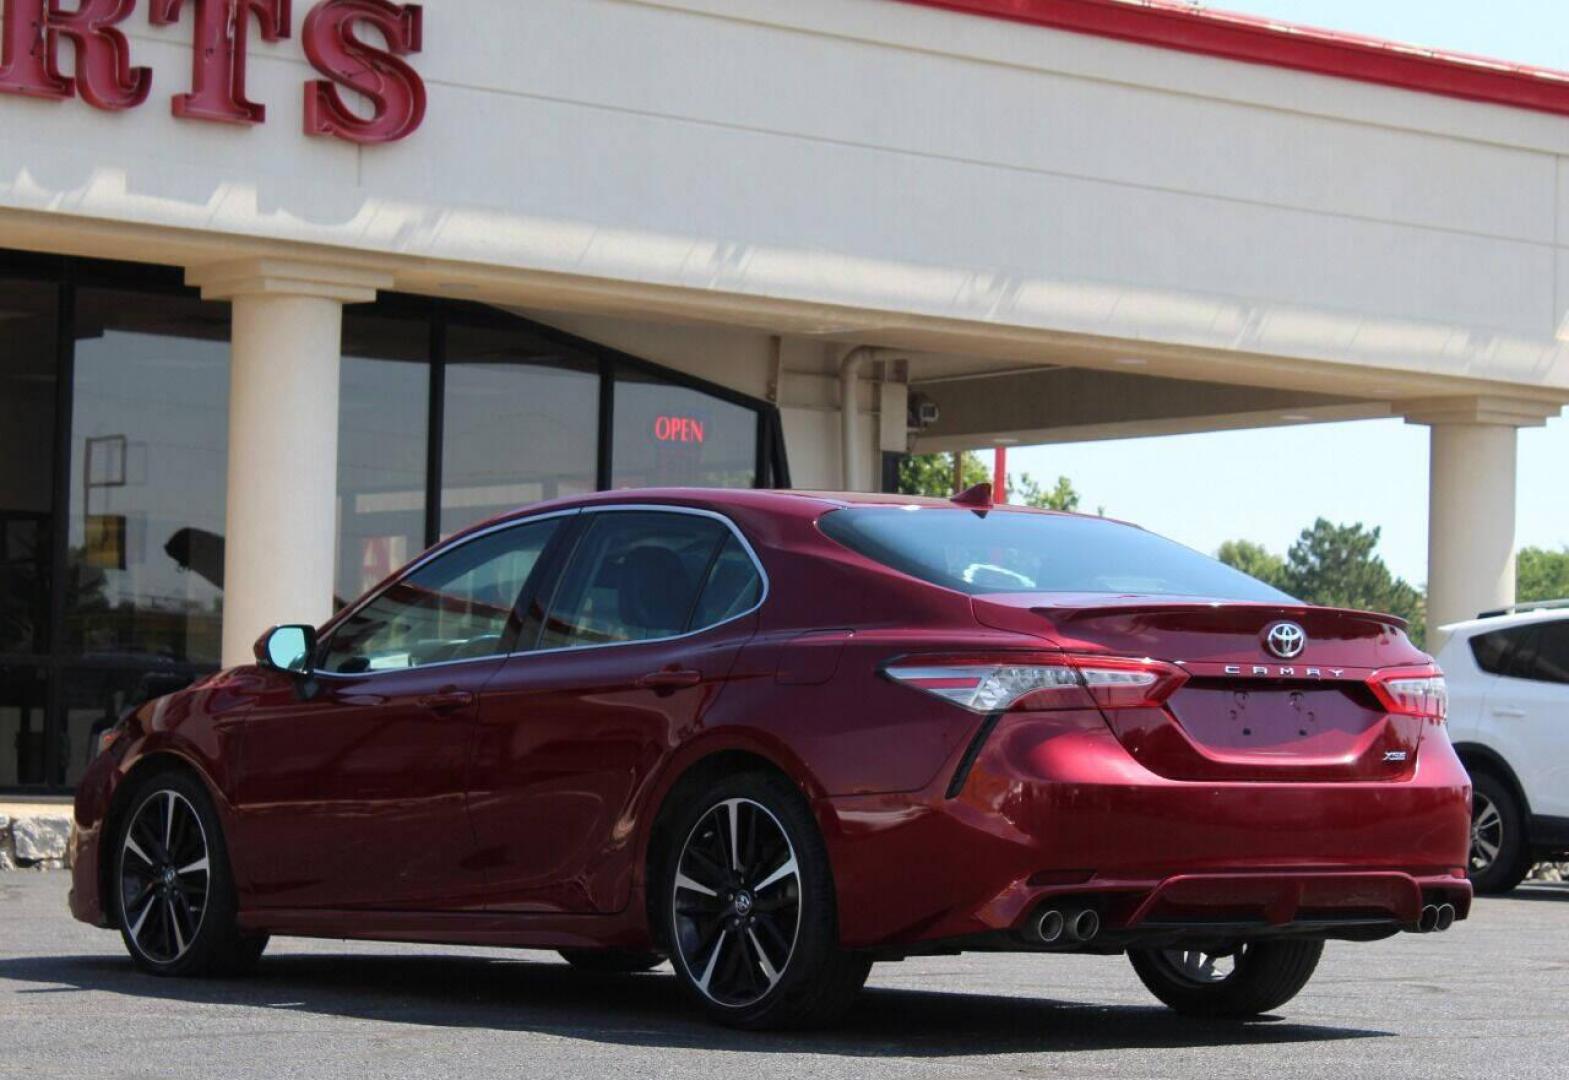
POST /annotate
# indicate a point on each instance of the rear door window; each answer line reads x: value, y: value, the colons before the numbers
x: 645, y: 575
x: 734, y: 587
x: 1505, y: 652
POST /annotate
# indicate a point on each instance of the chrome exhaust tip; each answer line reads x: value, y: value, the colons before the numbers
x: 1084, y: 925
x: 1049, y: 926
x: 1429, y: 920
x: 1446, y: 917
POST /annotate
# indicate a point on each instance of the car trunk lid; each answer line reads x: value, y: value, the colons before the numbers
x: 1250, y: 710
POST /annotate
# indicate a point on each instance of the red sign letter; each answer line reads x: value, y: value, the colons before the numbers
x: 395, y: 90
x: 30, y: 53
x: 218, y: 65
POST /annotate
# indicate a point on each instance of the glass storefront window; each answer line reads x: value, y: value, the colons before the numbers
x: 149, y: 456
x: 145, y: 463
x: 383, y: 413
x: 520, y: 424
x: 27, y: 395
x: 22, y: 699
x: 93, y: 698
x: 668, y: 435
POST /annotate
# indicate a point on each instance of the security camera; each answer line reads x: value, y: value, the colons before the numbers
x: 923, y: 411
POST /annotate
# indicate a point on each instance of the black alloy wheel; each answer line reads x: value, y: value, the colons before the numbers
x: 737, y: 902
x: 1246, y: 980
x: 750, y: 910
x: 172, y: 894
x: 165, y: 876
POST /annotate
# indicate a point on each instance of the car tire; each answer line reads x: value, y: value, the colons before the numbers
x: 1499, y: 858
x: 1263, y: 976
x: 171, y: 888
x: 748, y: 908
x: 612, y: 961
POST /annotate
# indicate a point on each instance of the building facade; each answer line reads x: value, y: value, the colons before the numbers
x: 288, y: 292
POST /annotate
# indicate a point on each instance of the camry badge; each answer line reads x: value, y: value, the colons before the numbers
x: 1286, y: 640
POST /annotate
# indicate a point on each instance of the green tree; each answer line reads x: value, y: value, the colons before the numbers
x: 1030, y: 493
x: 1336, y: 566
x: 1541, y: 574
x: 1255, y: 560
x: 932, y: 474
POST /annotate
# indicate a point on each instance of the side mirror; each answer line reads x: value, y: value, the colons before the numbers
x: 287, y: 648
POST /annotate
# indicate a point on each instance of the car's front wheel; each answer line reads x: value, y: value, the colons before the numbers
x: 749, y: 909
x: 173, y: 894
x: 1248, y: 980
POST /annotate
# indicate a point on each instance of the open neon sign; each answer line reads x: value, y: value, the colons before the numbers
x: 678, y: 429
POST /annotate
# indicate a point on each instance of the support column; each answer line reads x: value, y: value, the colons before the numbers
x: 281, y: 521
x: 1471, y: 502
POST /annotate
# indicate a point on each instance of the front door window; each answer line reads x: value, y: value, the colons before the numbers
x: 458, y: 606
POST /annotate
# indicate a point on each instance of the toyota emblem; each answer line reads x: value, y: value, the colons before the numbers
x: 1286, y: 640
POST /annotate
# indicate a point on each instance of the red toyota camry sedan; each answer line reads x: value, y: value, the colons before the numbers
x: 774, y: 737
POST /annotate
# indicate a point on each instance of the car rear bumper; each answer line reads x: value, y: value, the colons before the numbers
x: 1055, y: 814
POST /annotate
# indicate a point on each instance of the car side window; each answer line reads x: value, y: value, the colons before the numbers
x: 1549, y: 661
x: 734, y: 587
x: 455, y: 607
x: 1505, y: 652
x: 643, y: 575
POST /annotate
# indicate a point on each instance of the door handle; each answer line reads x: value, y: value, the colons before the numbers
x: 670, y: 679
x: 446, y: 701
x: 1509, y: 714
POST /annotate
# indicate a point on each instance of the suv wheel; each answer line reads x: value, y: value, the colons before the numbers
x: 749, y: 909
x: 1499, y: 860
x: 1251, y: 979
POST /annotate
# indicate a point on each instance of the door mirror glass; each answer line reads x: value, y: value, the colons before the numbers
x: 287, y: 648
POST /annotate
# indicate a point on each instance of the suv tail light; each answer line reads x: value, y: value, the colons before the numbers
x: 1040, y: 681
x: 1412, y: 692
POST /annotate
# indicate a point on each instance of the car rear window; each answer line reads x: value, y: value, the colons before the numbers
x: 1008, y: 551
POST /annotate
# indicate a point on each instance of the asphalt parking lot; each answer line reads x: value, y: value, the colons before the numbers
x: 1488, y: 999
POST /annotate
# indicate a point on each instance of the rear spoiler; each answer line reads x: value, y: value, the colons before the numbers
x: 1071, y: 612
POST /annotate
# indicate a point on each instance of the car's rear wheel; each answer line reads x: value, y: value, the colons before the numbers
x: 172, y: 891
x: 612, y: 961
x: 749, y: 909
x: 1250, y: 979
x: 1499, y: 860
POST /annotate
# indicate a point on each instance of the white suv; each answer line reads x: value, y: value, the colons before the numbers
x: 1508, y: 675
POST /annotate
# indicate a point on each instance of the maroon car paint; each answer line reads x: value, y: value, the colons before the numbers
x: 511, y: 800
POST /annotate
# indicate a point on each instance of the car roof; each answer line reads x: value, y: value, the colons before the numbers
x: 1470, y: 627
x: 787, y: 501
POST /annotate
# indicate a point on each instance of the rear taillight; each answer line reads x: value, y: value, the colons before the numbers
x: 1040, y: 681
x: 1414, y: 692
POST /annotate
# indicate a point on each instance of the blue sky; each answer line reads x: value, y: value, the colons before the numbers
x: 1373, y: 471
